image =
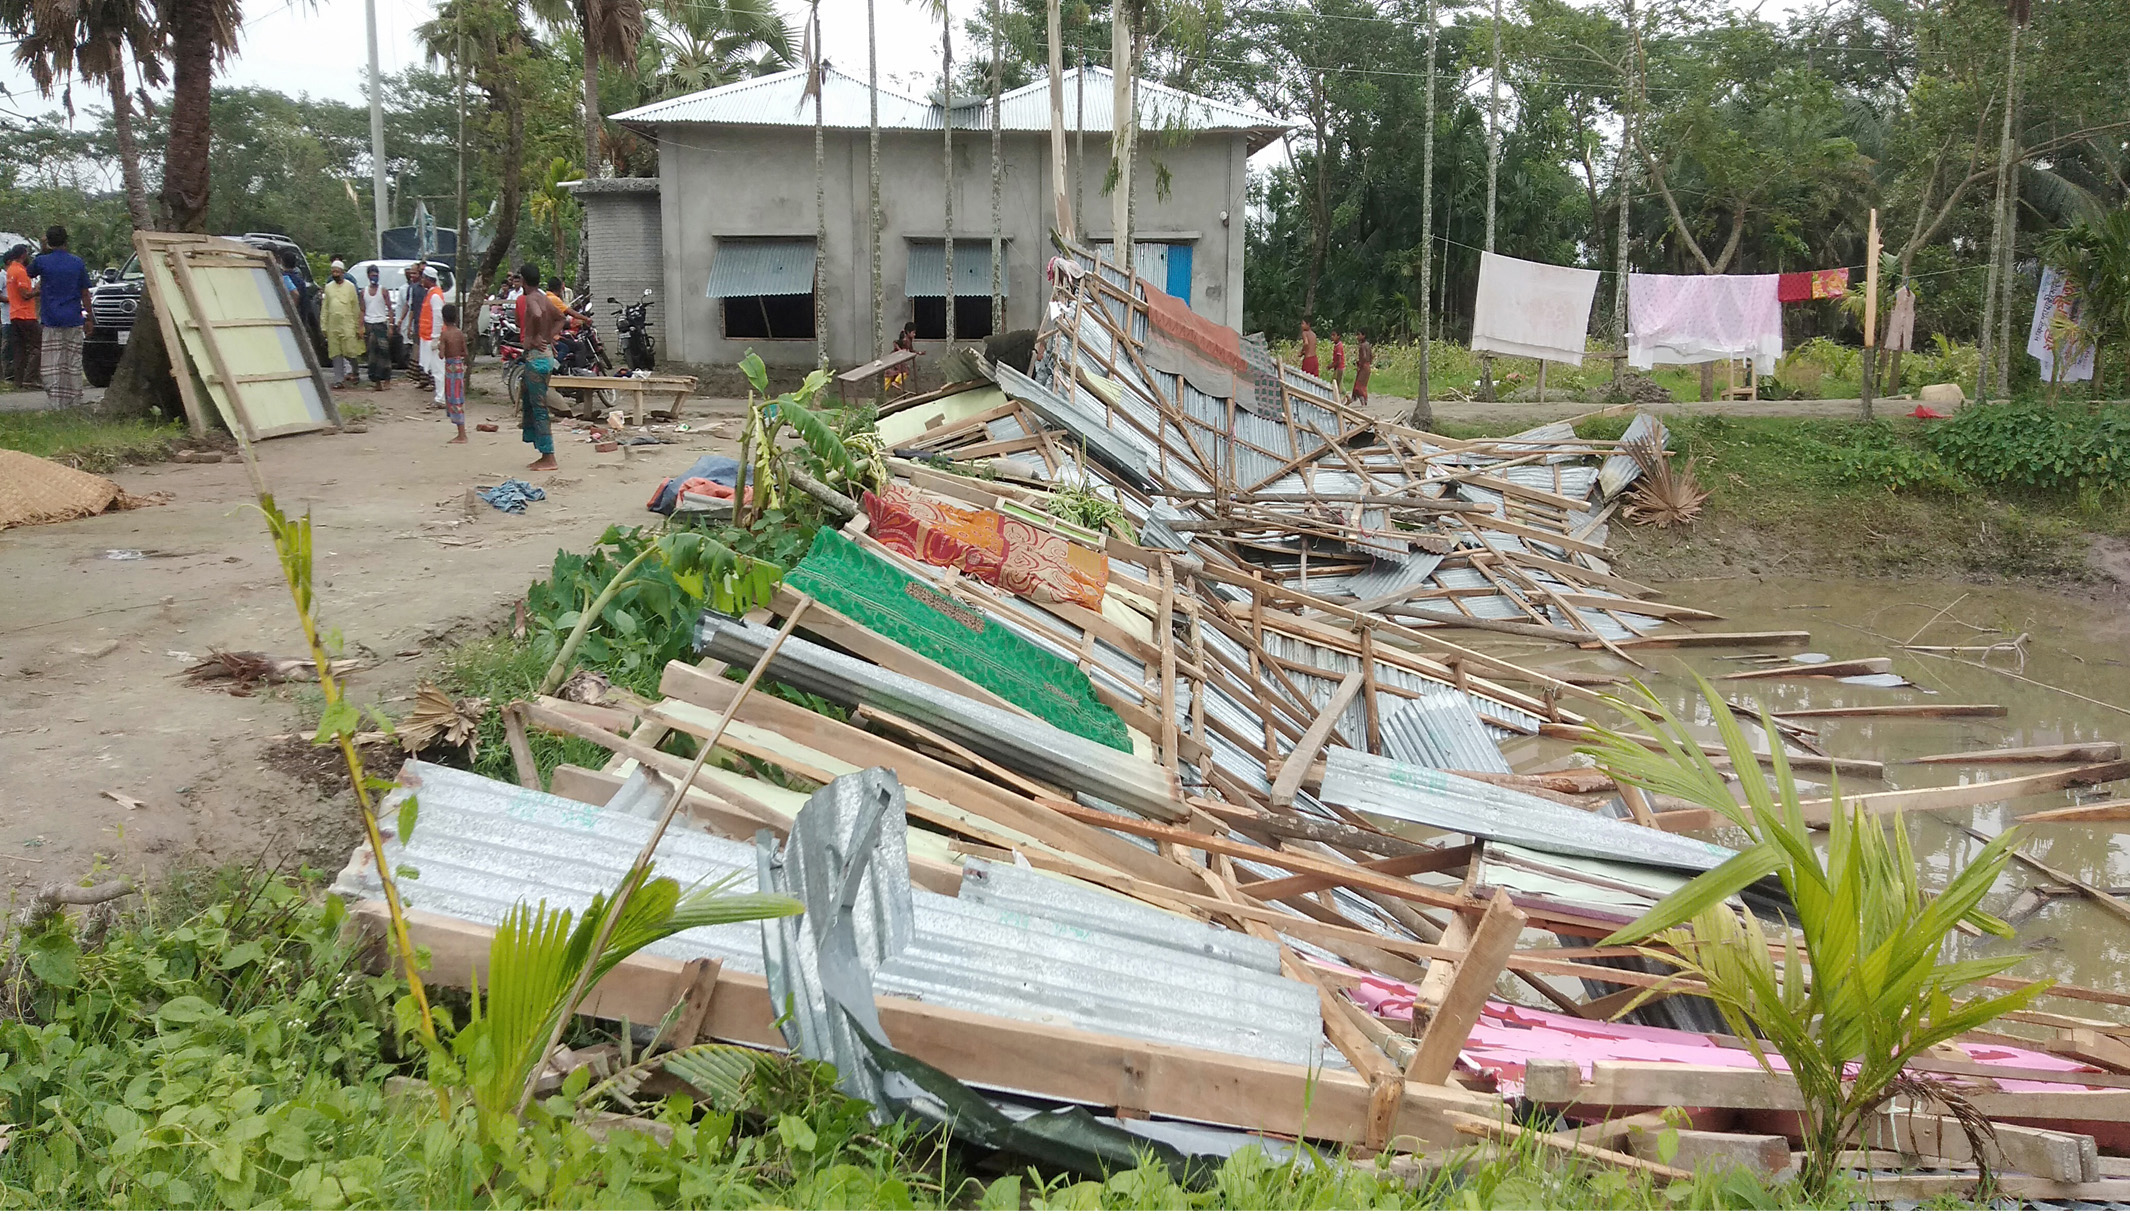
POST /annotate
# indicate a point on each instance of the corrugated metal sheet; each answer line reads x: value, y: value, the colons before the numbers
x: 1620, y: 469
x: 1123, y: 452
x: 779, y: 100
x: 1439, y: 729
x: 1376, y: 785
x: 1019, y: 943
x: 925, y: 275
x: 762, y: 267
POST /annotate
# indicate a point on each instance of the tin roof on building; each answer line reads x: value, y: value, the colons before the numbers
x: 780, y: 100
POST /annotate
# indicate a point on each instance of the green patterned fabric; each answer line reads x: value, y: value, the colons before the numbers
x: 871, y: 591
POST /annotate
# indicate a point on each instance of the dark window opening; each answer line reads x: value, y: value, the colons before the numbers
x: 770, y: 317
x: 972, y: 316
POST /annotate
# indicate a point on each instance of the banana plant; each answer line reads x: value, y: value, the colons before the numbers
x: 854, y: 462
x: 1862, y: 986
x: 535, y: 960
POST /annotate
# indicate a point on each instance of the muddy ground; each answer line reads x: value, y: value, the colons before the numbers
x: 92, y: 640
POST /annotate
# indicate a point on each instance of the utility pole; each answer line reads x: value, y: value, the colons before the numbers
x: 460, y: 253
x: 381, y: 207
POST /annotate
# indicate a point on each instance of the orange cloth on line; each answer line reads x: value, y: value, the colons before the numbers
x: 19, y: 304
x: 1008, y: 553
x: 427, y: 322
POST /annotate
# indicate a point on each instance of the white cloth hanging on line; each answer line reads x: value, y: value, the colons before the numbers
x: 2057, y: 298
x: 1698, y: 318
x: 1528, y: 309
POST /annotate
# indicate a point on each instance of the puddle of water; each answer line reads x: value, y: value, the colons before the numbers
x: 2079, y: 646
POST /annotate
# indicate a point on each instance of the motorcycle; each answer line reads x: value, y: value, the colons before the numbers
x: 633, y: 324
x: 509, y: 346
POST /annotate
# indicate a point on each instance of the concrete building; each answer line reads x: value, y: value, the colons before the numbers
x: 736, y: 220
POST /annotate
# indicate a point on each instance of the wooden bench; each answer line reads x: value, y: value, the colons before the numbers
x: 856, y: 376
x: 679, y: 387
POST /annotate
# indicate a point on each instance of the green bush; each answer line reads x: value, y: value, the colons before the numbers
x: 2061, y: 452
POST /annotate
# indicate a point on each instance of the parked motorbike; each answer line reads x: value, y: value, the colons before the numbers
x: 633, y: 324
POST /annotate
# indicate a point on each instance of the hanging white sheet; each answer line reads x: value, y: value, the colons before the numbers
x: 1698, y: 318
x: 2057, y: 298
x: 1528, y: 309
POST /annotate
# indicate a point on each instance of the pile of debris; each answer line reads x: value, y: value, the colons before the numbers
x: 1154, y: 786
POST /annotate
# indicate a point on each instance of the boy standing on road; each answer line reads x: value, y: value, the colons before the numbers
x: 451, y: 347
x: 63, y: 310
x: 538, y: 323
x: 21, y: 314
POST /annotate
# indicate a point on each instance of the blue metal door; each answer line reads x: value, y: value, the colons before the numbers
x: 1179, y: 284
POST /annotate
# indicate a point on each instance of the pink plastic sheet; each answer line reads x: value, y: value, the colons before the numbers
x: 1506, y: 1036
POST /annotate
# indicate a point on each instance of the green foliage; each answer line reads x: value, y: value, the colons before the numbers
x: 848, y: 454
x: 85, y: 440
x: 2026, y: 445
x: 1867, y: 933
x: 1084, y: 508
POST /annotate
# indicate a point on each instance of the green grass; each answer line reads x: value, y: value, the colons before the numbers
x: 224, y: 1046
x: 81, y: 439
x: 500, y: 670
x: 1802, y: 495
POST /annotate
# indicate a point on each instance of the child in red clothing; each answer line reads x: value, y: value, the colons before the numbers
x: 1338, y: 362
x: 451, y: 348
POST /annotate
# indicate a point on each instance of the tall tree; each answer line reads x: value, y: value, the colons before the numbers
x: 872, y: 133
x: 1123, y: 131
x: 814, y: 86
x: 1052, y: 20
x: 998, y: 179
x: 704, y: 44
x: 608, y: 31
x: 92, y: 40
x: 203, y: 34
x: 1423, y: 415
x: 946, y: 132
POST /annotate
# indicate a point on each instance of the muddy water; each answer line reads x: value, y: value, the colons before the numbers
x: 2079, y: 646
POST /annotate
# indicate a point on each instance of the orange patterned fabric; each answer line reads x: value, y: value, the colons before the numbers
x: 1006, y: 553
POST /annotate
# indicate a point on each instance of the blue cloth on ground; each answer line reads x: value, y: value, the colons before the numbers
x: 722, y: 469
x: 510, y: 496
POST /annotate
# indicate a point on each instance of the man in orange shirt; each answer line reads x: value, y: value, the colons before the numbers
x: 22, y: 316
x: 430, y: 326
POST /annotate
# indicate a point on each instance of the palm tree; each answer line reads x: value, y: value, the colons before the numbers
x: 872, y: 133
x: 499, y: 49
x: 703, y: 44
x: 203, y: 33
x: 998, y: 180
x: 93, y: 39
x: 814, y: 84
x: 1123, y: 128
x: 946, y: 126
x: 610, y: 30
x: 552, y: 204
x: 1052, y: 20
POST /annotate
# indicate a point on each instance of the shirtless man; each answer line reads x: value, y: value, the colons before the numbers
x: 1309, y: 363
x: 538, y: 323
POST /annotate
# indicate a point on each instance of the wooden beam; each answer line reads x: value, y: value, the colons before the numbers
x: 2098, y: 811
x: 1296, y: 764
x: 2074, y: 752
x: 1691, y: 1149
x: 1508, y: 1132
x: 1678, y: 640
x: 1649, y: 607
x: 1057, y: 1060
x: 1957, y: 796
x: 1394, y: 866
x: 2050, y: 1154
x: 1639, y: 1085
x: 1819, y: 670
x: 1896, y: 710
x: 1481, y: 968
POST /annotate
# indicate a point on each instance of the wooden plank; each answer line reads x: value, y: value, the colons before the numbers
x: 1649, y: 607
x: 1957, y: 796
x: 698, y: 987
x: 1296, y: 764
x: 1057, y: 1060
x: 2050, y: 1154
x: 1394, y: 866
x: 1680, y: 640
x: 2087, y: 1046
x: 1481, y: 968
x: 951, y: 784
x: 1761, y: 1154
x: 521, y: 756
x: 1631, y: 1085
x: 217, y: 364
x: 1818, y: 670
x: 2098, y: 811
x: 1508, y: 1132
x: 1929, y: 711
x: 2073, y: 752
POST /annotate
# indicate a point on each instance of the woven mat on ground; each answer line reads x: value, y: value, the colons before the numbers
x: 34, y: 490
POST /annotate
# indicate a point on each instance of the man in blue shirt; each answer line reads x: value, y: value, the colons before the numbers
x: 63, y: 307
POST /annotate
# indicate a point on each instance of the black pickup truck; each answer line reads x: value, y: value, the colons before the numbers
x: 118, y: 297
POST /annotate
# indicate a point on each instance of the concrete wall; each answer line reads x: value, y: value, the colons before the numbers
x: 624, y: 244
x: 758, y: 182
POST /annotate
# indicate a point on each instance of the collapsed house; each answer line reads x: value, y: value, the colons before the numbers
x: 1197, y: 819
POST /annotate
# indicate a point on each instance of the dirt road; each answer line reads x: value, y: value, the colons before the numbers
x: 92, y: 637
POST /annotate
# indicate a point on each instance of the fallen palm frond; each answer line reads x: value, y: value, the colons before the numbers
x: 1667, y: 495
x: 437, y: 715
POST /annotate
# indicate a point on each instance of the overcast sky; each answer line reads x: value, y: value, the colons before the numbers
x: 320, y: 47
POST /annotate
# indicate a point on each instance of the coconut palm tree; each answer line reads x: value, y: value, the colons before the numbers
x: 1124, y: 18
x: 92, y: 39
x: 203, y: 34
x: 814, y: 84
x: 703, y: 44
x: 946, y: 127
x: 609, y: 31
x: 872, y: 134
x: 998, y: 179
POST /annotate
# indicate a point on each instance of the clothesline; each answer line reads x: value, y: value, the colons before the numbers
x: 1855, y: 269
